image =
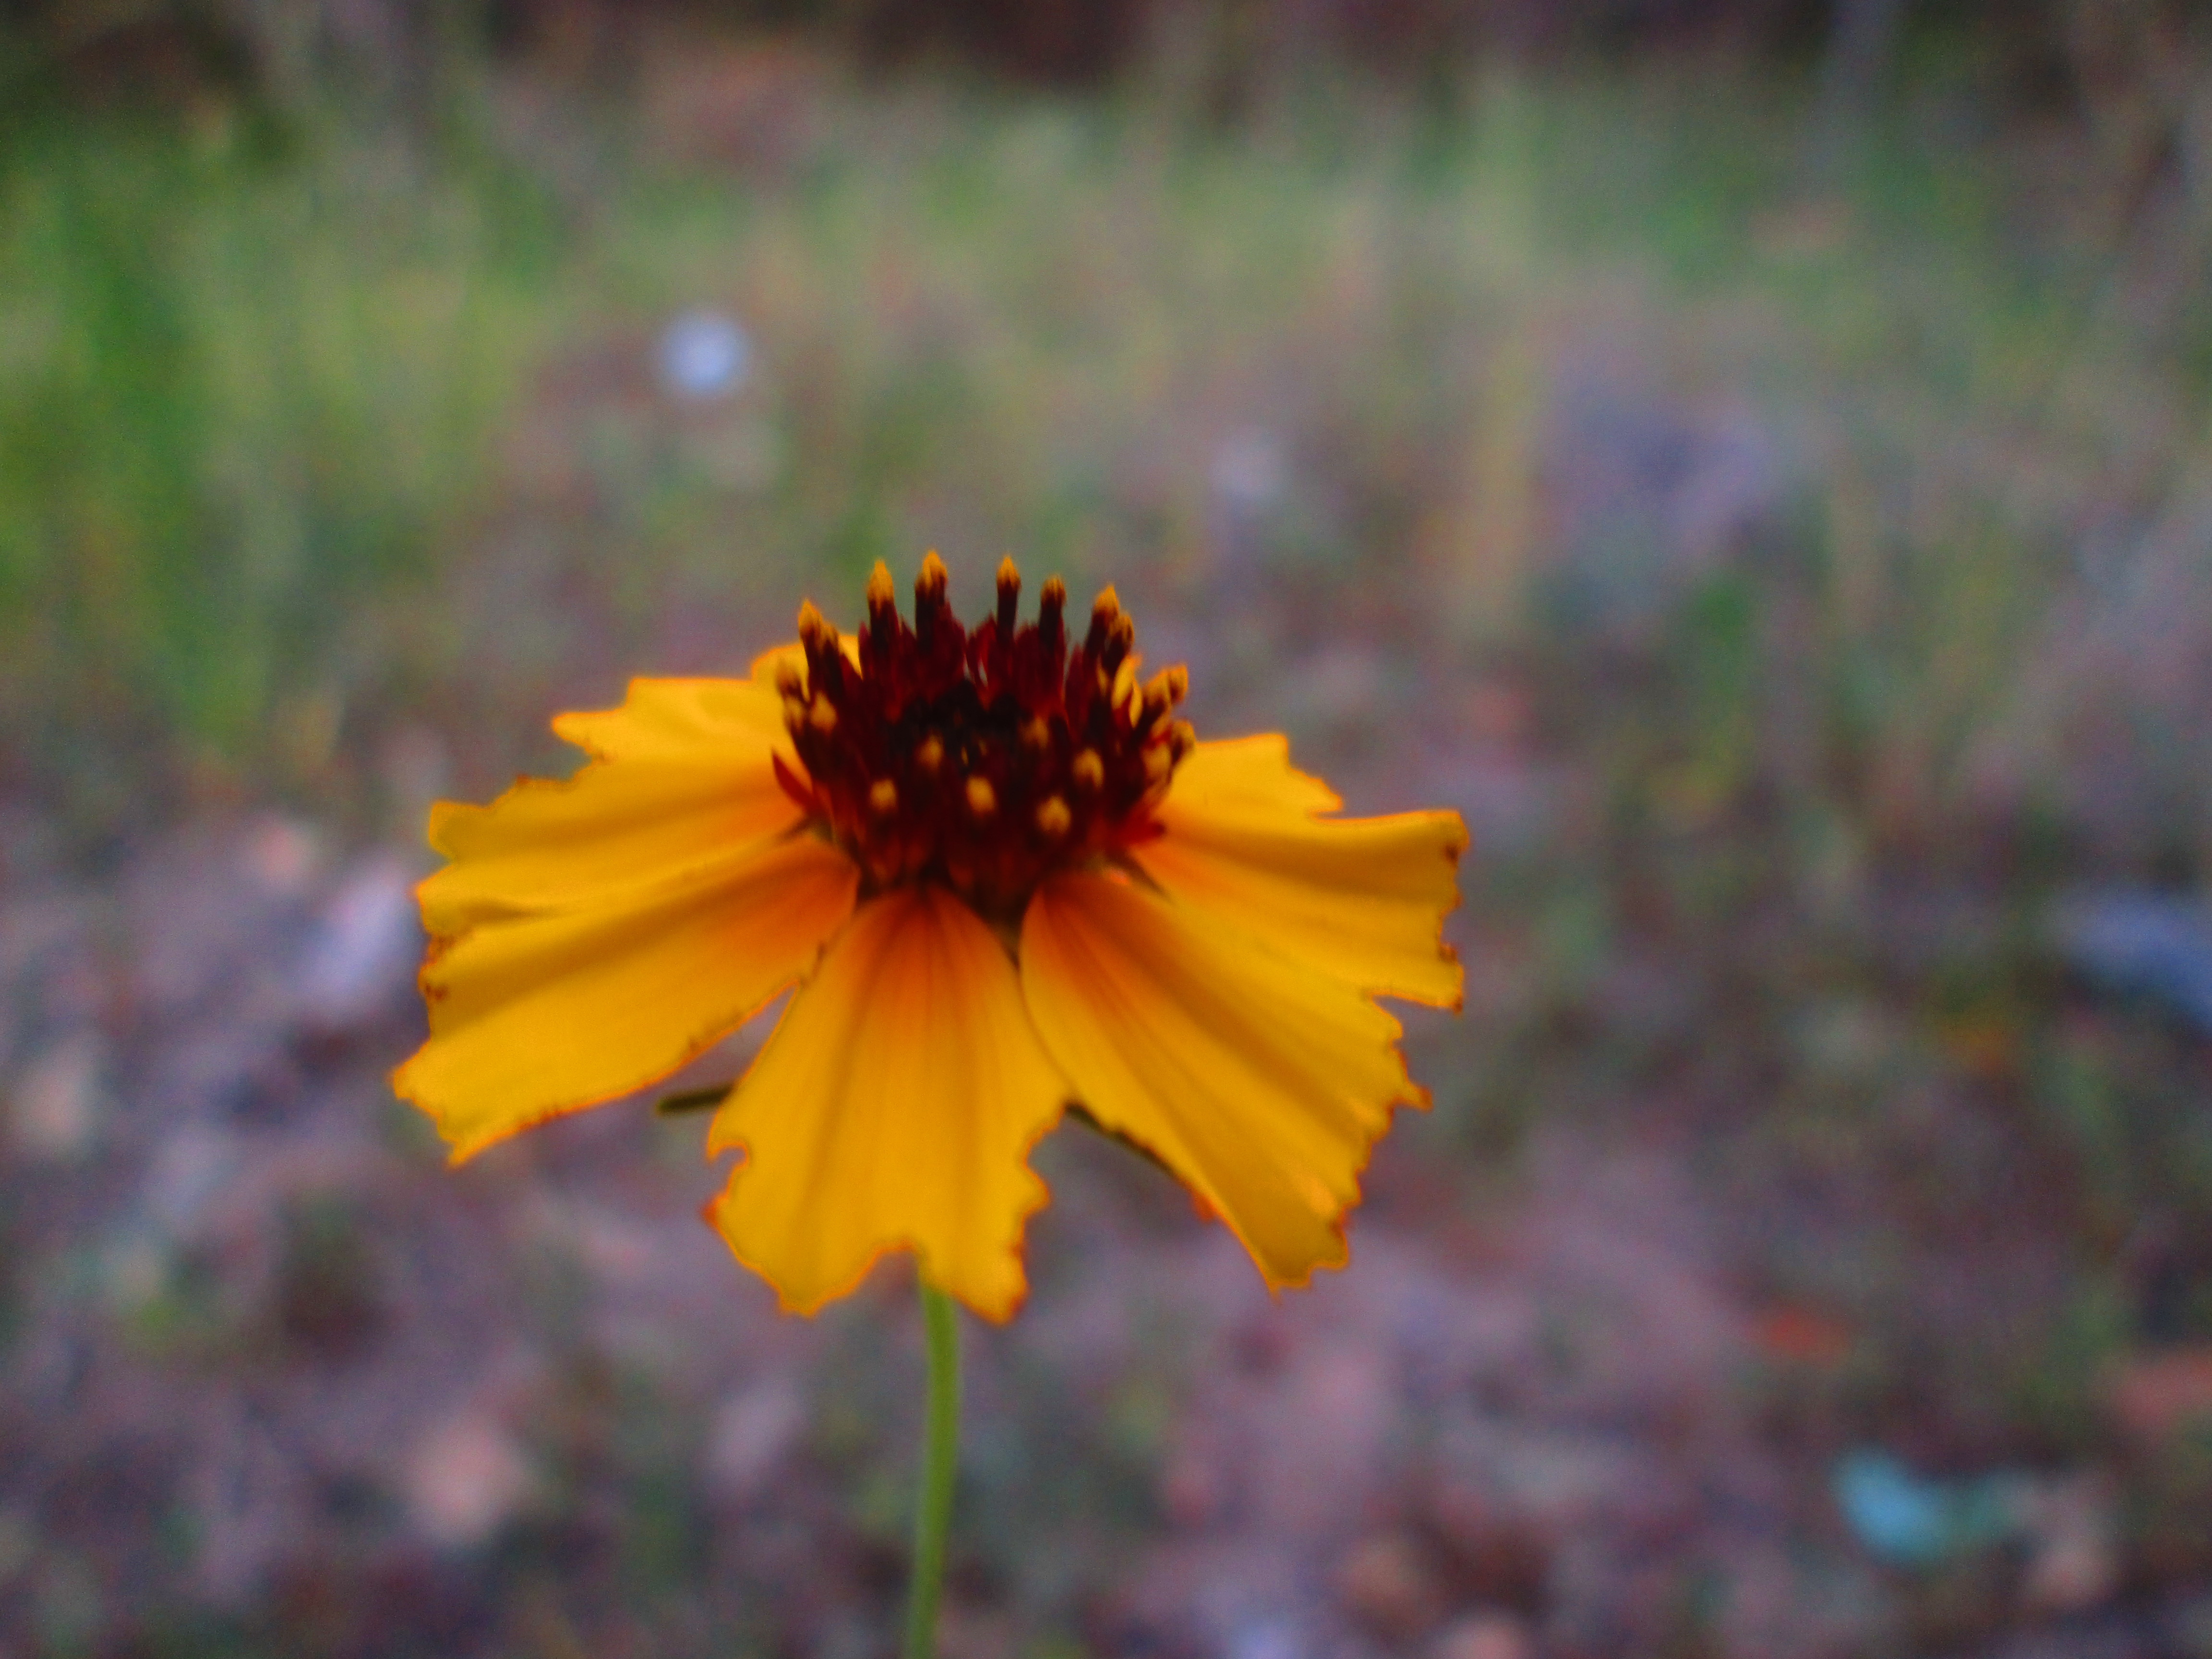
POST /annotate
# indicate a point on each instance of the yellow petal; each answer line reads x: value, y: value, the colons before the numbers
x: 1251, y: 775
x: 1363, y: 899
x: 894, y: 1107
x: 685, y: 721
x: 680, y: 777
x: 1259, y: 1080
x: 532, y: 1016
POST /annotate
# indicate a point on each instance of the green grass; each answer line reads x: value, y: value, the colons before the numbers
x: 252, y: 401
x: 303, y: 438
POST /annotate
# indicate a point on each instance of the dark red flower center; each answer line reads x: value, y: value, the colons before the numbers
x: 983, y: 759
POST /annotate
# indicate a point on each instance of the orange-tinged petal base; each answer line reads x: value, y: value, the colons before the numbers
x: 540, y: 1014
x: 1260, y: 1080
x: 1361, y: 899
x: 894, y: 1107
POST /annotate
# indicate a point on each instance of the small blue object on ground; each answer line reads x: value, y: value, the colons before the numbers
x: 704, y: 355
x: 2157, y: 946
x: 1910, y: 1520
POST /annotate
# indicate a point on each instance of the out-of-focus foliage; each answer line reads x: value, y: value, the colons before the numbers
x: 261, y: 368
x: 249, y: 389
x: 2042, y: 44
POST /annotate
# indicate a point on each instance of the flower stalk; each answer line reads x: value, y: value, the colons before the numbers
x: 941, y: 1457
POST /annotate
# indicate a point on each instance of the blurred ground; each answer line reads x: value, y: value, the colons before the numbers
x: 1782, y: 533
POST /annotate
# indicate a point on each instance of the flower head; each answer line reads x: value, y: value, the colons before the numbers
x: 1005, y: 879
x: 980, y: 761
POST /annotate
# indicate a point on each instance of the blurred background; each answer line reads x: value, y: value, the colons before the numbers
x: 1750, y: 456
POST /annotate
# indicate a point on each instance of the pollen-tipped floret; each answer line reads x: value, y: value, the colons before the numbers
x: 985, y: 759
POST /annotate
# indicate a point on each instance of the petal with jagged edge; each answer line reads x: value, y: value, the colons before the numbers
x: 893, y: 1107
x: 1243, y: 844
x: 535, y: 1015
x: 1261, y: 1081
x: 678, y: 776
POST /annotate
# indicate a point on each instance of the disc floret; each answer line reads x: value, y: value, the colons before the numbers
x: 985, y: 759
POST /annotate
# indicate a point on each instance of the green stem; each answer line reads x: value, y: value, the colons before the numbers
x: 940, y: 1456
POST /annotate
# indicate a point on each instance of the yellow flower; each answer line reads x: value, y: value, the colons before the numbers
x: 1005, y: 879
